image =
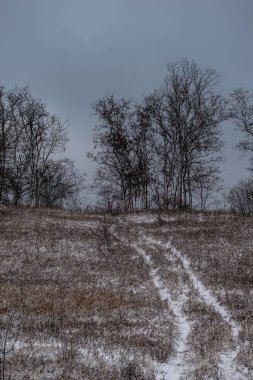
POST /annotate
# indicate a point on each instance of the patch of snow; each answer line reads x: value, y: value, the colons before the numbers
x: 174, y: 368
x: 205, y: 293
x: 228, y: 358
x: 141, y: 218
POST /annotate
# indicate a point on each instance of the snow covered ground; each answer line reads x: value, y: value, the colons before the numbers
x: 227, y: 360
x: 95, y: 297
x: 175, y: 367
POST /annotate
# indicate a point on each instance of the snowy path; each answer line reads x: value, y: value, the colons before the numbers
x: 174, y: 368
x: 205, y: 293
x: 227, y: 359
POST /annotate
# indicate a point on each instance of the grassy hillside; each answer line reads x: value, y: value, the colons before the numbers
x: 100, y: 297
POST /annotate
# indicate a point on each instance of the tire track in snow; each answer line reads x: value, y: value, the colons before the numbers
x: 227, y: 359
x: 175, y: 367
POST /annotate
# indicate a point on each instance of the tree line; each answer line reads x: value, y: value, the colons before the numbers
x: 161, y: 153
x: 31, y: 139
x: 164, y: 152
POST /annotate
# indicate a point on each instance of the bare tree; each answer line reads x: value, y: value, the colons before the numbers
x: 6, y: 141
x: 207, y: 185
x: 41, y: 136
x: 123, y: 153
x: 241, y: 110
x: 142, y: 156
x: 240, y: 197
x: 151, y: 152
x: 61, y: 184
x: 185, y: 115
x: 113, y: 148
x: 30, y: 137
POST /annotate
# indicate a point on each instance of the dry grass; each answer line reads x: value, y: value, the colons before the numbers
x: 220, y: 249
x: 78, y: 301
x: 83, y: 307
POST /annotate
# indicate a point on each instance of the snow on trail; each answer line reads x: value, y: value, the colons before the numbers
x: 227, y: 359
x: 174, y: 368
x: 205, y: 293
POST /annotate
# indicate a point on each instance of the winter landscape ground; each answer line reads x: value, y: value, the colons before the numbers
x: 125, y: 297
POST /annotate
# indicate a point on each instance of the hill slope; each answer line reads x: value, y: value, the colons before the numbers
x: 96, y: 297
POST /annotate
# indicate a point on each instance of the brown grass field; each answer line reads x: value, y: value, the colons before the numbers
x: 101, y: 297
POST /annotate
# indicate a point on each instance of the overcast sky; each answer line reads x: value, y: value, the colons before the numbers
x: 71, y: 52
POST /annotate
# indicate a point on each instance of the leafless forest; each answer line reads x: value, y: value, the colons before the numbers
x: 162, y: 153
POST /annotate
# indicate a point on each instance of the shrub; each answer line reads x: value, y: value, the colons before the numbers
x: 240, y: 197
